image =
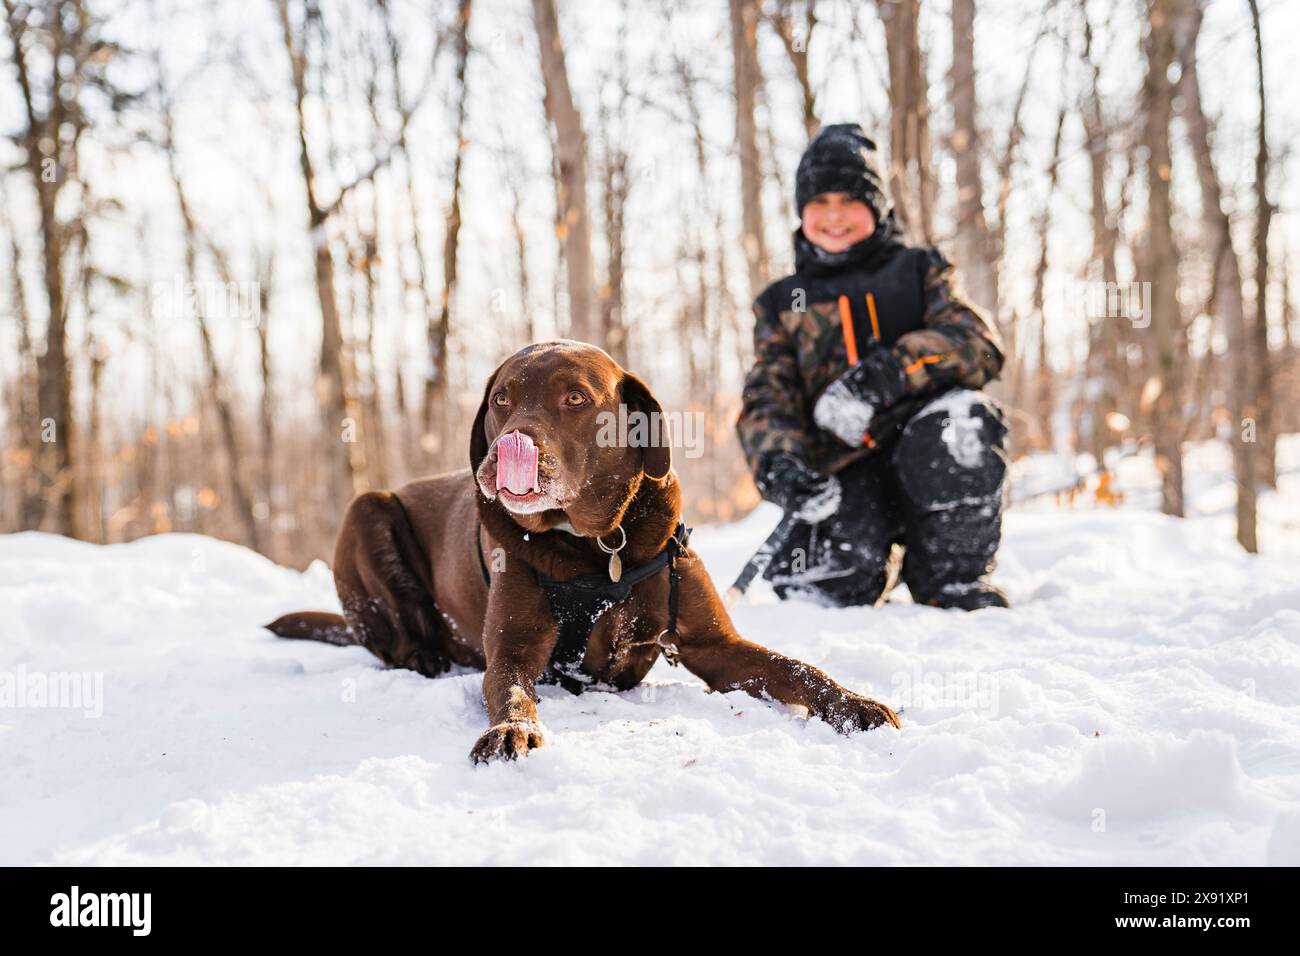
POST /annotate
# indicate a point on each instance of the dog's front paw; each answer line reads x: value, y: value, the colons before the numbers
x: 856, y: 712
x: 508, y: 740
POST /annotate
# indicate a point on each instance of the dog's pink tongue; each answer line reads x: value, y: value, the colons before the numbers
x: 517, y: 464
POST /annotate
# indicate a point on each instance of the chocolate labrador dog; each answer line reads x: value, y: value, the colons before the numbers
x: 560, y: 556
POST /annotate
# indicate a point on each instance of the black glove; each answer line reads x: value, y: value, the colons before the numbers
x: 848, y: 405
x: 806, y: 495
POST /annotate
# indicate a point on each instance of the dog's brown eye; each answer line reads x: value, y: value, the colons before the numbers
x: 575, y: 398
x: 500, y: 399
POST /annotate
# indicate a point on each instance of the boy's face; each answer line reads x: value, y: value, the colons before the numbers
x: 835, y: 221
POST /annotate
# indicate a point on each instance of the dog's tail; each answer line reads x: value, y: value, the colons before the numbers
x: 313, y: 626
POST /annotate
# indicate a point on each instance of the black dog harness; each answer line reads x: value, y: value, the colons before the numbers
x: 577, y: 603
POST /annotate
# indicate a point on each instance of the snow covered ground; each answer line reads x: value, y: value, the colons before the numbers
x: 1140, y: 705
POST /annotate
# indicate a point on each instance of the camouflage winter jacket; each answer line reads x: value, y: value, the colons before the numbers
x: 899, y: 297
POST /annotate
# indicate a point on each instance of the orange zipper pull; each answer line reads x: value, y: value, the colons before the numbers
x: 875, y: 323
x: 846, y: 323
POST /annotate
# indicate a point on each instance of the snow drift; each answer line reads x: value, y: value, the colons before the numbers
x: 1139, y: 705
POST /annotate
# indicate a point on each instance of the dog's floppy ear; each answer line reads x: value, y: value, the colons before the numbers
x: 656, y: 457
x: 478, y: 442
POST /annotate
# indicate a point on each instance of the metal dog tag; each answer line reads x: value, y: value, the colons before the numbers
x: 615, y: 567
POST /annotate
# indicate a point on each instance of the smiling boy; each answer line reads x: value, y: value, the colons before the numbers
x: 869, y: 332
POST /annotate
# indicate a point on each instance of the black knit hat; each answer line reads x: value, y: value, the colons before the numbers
x: 842, y: 159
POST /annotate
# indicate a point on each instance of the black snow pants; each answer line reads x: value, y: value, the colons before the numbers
x: 937, y: 491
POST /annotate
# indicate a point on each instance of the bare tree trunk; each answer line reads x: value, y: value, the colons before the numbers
x: 557, y: 282
x: 337, y: 431
x: 356, y: 435
x: 1160, y: 262
x: 266, y: 408
x: 25, y: 405
x: 796, y: 42
x: 148, y: 454
x: 1127, y: 338
x: 1288, y: 378
x: 697, y: 314
x: 49, y: 147
x: 429, y: 442
x: 1007, y: 157
x: 435, y: 391
x: 1266, y: 430
x: 707, y: 315
x: 616, y: 192
x: 216, y: 387
x: 373, y: 397
x: 974, y: 246
x: 745, y: 70
x: 774, y: 168
x: 521, y: 259
x: 1228, y: 302
x: 217, y: 392
x: 90, y: 452
x: 571, y: 183
x: 1288, y: 309
x: 911, y: 173
x: 616, y: 185
x: 1103, y: 370
x: 693, y: 315
x: 513, y: 174
x: 1046, y: 392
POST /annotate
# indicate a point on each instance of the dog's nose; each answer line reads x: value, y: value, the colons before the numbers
x: 517, y: 463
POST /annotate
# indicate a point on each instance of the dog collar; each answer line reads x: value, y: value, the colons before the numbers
x: 615, y: 562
